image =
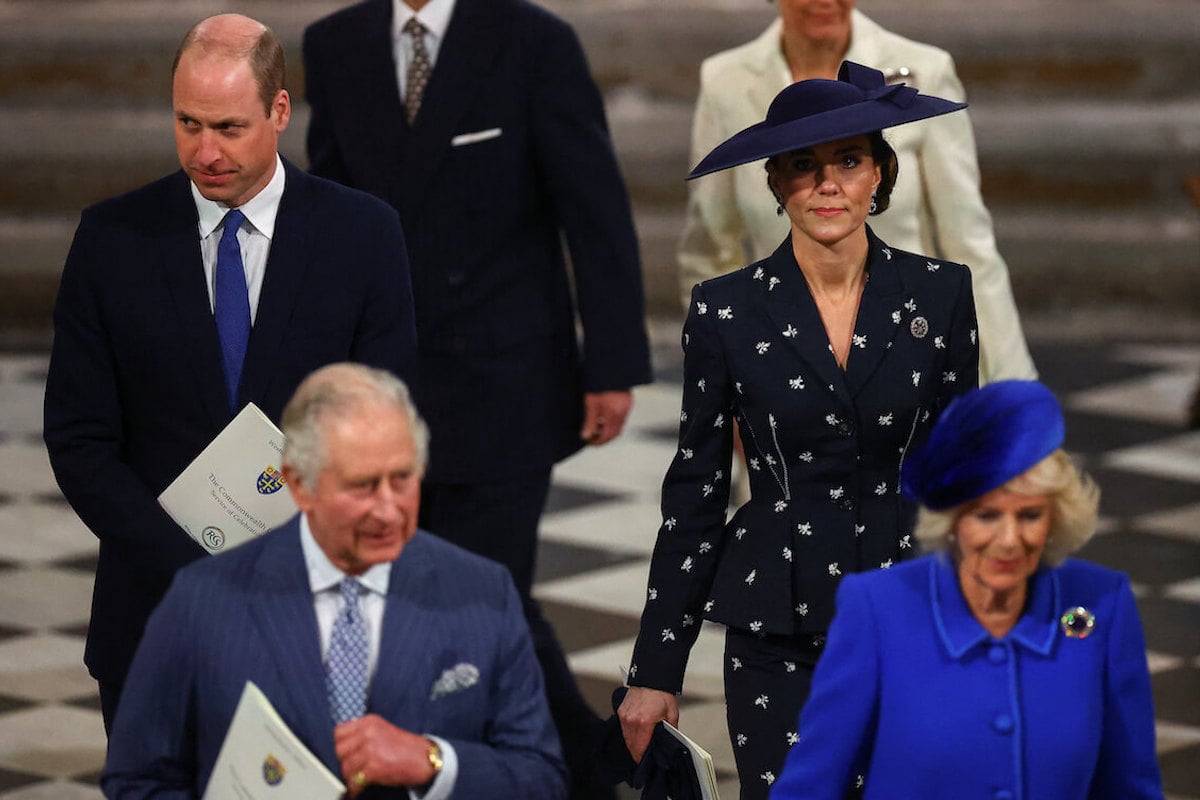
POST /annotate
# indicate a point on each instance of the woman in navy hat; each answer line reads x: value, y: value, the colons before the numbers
x: 834, y: 356
x: 995, y: 667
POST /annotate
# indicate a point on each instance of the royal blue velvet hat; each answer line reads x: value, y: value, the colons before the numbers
x: 982, y: 440
x: 816, y: 111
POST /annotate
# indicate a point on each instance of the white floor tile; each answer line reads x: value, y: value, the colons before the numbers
x: 630, y: 466
x: 630, y: 527
x: 21, y: 408
x: 45, y: 598
x: 33, y: 533
x: 1181, y: 523
x: 26, y: 469
x: 620, y: 589
x: 54, y: 790
x: 44, y: 666
x: 1188, y: 591
x: 55, y: 741
x: 1159, y: 397
x: 1177, y: 458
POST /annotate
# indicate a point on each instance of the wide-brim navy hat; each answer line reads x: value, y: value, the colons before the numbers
x: 982, y: 440
x: 816, y: 111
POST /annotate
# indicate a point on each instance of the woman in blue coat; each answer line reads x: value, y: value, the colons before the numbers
x: 995, y: 667
x: 834, y: 356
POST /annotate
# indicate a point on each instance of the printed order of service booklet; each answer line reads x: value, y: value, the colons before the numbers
x: 261, y: 758
x: 233, y: 491
x: 702, y: 762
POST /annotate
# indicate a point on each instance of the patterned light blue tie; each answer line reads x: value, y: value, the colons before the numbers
x: 231, y: 304
x: 346, y: 663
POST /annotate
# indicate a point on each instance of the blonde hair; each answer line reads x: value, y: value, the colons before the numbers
x: 1074, y: 498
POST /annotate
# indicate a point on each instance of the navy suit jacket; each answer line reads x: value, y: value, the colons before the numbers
x: 911, y: 683
x: 509, y: 155
x: 136, y: 390
x: 823, y: 446
x: 247, y: 615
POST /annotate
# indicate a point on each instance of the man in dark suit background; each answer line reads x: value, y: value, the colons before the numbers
x: 143, y: 375
x: 479, y: 121
x: 401, y: 661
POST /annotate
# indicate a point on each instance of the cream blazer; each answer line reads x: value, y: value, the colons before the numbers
x: 936, y: 208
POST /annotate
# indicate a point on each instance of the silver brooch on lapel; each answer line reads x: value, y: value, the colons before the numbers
x: 1077, y: 622
x: 919, y: 327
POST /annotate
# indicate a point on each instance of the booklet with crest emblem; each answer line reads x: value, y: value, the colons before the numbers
x: 706, y: 774
x: 233, y: 491
x: 261, y: 758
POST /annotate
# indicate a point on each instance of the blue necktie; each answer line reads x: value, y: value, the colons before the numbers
x: 346, y: 662
x: 231, y: 304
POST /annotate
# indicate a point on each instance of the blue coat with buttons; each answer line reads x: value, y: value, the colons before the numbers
x: 912, y: 685
x: 823, y: 446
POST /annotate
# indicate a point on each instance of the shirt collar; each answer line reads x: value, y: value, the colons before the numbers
x: 1035, y: 630
x: 260, y: 210
x: 323, y: 575
x: 435, y: 16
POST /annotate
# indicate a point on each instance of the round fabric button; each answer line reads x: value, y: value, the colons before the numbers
x: 997, y: 654
x: 1003, y: 794
x: 1003, y: 723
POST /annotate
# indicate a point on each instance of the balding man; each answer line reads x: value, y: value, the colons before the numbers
x: 222, y: 284
x: 442, y: 696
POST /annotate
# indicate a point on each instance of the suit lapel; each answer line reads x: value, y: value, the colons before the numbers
x: 794, y: 311
x: 880, y: 313
x: 407, y: 641
x: 287, y: 264
x: 282, y: 607
x: 183, y: 267
x: 472, y: 40
x: 766, y: 61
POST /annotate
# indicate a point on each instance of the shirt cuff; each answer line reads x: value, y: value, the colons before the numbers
x: 443, y: 785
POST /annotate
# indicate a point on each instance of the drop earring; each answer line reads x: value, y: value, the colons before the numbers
x: 874, y: 204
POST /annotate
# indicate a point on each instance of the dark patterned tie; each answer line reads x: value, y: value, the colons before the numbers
x: 418, y: 69
x: 346, y: 662
x: 231, y: 304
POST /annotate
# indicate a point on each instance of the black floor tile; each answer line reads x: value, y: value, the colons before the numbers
x: 1146, y: 557
x: 1076, y: 366
x: 1129, y: 494
x: 559, y: 560
x: 1181, y: 771
x: 82, y: 563
x: 79, y: 629
x: 580, y: 628
x: 1175, y: 694
x: 567, y: 497
x: 9, y: 631
x: 88, y: 702
x: 88, y: 778
x: 1172, y: 626
x: 12, y: 779
x: 1092, y: 433
x: 8, y: 704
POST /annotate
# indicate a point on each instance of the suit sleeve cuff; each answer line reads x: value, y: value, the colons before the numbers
x: 443, y: 785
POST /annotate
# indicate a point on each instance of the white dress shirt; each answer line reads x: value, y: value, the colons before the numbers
x: 254, y: 238
x: 324, y: 579
x: 435, y: 16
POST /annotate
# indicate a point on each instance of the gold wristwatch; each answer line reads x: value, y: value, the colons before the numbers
x: 435, y: 759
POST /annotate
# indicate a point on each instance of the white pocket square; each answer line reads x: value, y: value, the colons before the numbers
x: 462, y: 676
x: 477, y: 136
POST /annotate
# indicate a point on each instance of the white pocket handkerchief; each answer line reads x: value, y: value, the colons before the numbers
x: 462, y: 676
x: 477, y: 136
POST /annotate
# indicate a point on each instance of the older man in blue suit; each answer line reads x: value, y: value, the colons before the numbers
x: 222, y: 284
x: 420, y: 677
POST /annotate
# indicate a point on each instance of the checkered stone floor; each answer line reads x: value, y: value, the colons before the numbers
x: 1124, y: 401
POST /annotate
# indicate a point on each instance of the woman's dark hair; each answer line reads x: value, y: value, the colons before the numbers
x: 889, y: 168
x: 883, y: 155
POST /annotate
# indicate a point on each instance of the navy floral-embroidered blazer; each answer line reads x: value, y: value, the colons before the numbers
x: 823, y: 446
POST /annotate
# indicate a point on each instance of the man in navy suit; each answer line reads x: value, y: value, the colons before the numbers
x: 442, y: 695
x: 139, y: 382
x: 479, y: 121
